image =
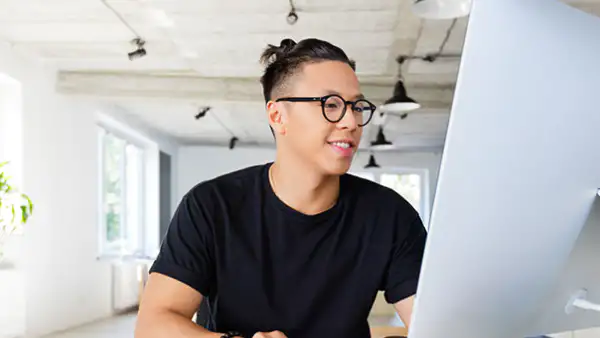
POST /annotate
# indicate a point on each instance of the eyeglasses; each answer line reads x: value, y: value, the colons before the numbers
x: 334, y: 107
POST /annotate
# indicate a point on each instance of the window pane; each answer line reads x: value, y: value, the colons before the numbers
x: 134, y: 198
x: 407, y: 185
x: 113, y: 186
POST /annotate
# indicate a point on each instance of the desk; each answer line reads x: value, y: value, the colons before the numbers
x: 383, y: 331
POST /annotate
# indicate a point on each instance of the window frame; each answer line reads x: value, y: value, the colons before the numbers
x: 106, y: 249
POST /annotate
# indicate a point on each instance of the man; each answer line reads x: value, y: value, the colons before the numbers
x: 297, y: 247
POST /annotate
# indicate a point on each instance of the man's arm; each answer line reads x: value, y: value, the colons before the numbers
x: 405, y: 268
x: 182, y: 272
x: 404, y: 308
x: 167, y: 308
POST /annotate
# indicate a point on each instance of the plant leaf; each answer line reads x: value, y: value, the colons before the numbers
x: 15, y: 207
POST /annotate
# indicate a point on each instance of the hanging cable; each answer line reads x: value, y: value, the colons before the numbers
x: 431, y: 57
x: 234, y: 139
x: 120, y: 17
x: 444, y: 42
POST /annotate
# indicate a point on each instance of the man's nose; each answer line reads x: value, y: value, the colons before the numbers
x: 348, y: 121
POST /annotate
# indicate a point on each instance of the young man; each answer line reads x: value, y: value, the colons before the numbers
x: 297, y: 247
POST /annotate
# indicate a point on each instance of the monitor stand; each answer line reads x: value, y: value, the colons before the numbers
x: 574, y: 303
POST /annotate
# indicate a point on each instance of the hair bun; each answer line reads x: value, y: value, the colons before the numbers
x: 273, y: 53
x: 286, y: 45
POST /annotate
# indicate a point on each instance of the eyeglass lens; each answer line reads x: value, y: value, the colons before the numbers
x: 333, y: 109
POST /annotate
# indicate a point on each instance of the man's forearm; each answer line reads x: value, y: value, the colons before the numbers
x: 170, y: 324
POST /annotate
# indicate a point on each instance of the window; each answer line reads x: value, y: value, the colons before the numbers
x: 411, y: 185
x: 121, y: 195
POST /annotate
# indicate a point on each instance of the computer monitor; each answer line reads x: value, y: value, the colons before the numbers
x: 514, y: 230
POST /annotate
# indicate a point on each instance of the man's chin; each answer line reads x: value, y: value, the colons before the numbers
x: 339, y: 168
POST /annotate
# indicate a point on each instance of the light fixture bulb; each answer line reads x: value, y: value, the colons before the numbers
x: 441, y: 9
x: 292, y: 17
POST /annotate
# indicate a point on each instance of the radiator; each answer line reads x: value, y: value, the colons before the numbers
x: 126, y: 280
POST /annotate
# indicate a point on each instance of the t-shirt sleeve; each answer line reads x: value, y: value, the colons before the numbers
x: 186, y: 252
x: 405, y: 264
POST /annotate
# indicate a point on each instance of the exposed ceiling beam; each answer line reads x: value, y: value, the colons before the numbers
x: 271, y: 145
x: 206, y: 89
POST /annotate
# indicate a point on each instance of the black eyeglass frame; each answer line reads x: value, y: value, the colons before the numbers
x: 324, y: 99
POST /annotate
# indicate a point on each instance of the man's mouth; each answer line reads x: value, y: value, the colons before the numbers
x: 344, y: 145
x: 344, y: 148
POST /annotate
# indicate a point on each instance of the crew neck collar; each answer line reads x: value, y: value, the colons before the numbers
x: 293, y: 212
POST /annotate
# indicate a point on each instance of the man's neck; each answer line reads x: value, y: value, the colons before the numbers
x: 303, y: 189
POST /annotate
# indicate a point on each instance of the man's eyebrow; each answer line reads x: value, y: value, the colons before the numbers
x: 353, y: 98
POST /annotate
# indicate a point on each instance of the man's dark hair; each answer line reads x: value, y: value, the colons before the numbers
x: 284, y: 60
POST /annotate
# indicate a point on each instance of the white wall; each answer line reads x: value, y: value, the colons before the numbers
x: 198, y: 163
x: 12, y: 290
x: 65, y: 284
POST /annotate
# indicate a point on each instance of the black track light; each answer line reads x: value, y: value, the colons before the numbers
x: 202, y: 113
x: 292, y: 17
x: 140, y: 50
x: 232, y: 142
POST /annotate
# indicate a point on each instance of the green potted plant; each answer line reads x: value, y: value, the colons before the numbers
x: 15, y: 208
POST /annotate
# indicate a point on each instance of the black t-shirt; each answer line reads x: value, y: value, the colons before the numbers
x: 265, y: 266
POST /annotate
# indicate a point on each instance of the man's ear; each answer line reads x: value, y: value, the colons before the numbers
x: 276, y: 118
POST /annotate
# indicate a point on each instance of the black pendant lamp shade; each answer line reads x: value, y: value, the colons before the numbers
x: 372, y: 163
x: 380, y: 141
x: 400, y: 101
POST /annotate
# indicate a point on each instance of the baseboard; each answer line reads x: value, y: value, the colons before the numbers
x: 126, y: 311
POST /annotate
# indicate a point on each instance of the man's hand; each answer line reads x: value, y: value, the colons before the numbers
x: 273, y: 334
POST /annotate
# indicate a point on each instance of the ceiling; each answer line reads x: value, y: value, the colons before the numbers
x: 205, y: 53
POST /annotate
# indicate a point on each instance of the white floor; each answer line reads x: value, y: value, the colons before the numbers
x: 117, y: 327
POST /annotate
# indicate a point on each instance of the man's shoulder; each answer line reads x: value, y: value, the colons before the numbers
x: 230, y: 184
x: 365, y: 187
x: 368, y: 192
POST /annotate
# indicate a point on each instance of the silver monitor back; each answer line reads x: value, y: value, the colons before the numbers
x: 518, y: 178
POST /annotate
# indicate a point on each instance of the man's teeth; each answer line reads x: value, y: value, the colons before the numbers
x: 341, y: 144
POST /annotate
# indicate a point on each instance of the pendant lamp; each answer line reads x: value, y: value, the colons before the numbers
x: 441, y: 9
x: 400, y: 102
x: 381, y: 143
x: 372, y: 164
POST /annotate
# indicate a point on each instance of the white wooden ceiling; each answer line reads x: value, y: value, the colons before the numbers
x: 205, y: 53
